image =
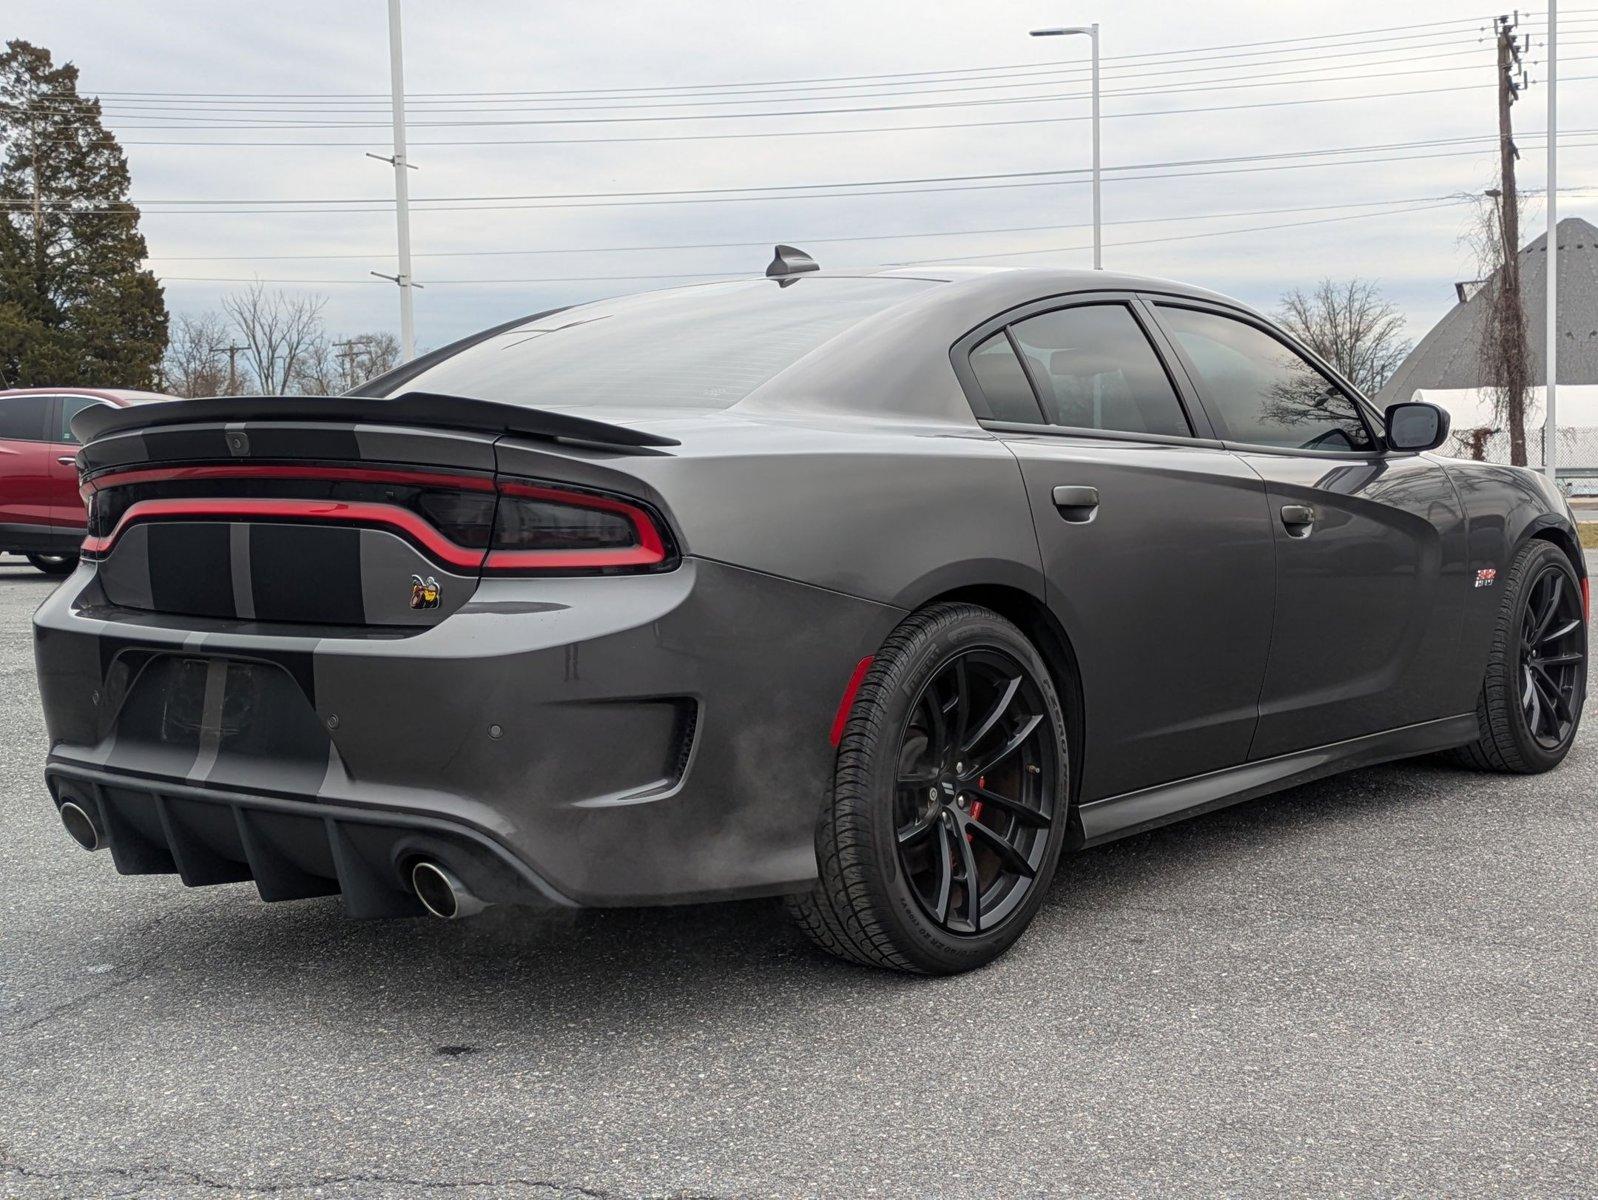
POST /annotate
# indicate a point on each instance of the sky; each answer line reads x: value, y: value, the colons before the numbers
x: 1248, y: 147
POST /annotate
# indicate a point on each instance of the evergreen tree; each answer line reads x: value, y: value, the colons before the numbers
x: 76, y: 305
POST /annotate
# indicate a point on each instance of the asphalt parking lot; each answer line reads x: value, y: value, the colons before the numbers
x: 1381, y: 984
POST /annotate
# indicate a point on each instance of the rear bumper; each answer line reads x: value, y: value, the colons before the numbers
x: 291, y: 849
x: 630, y: 740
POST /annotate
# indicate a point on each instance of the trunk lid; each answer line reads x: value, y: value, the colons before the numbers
x: 343, y: 511
x: 291, y: 522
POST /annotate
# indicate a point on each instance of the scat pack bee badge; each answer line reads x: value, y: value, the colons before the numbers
x: 425, y: 593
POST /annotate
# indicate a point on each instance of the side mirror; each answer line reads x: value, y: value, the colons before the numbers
x: 1415, y: 425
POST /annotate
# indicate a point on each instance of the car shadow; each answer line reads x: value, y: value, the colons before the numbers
x: 18, y: 571
x: 474, y: 985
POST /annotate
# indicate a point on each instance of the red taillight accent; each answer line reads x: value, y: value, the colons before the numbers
x: 649, y: 548
x: 847, y: 703
x: 336, y: 512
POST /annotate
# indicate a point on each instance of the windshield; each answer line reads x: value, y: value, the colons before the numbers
x: 700, y: 347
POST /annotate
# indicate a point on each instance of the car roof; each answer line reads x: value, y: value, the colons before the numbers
x: 115, y: 395
x: 895, y: 363
x: 984, y: 279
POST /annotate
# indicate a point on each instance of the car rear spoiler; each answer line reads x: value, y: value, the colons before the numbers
x: 429, y: 409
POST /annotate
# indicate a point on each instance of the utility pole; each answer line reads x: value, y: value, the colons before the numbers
x: 402, y: 200
x: 1511, y: 326
x: 1551, y: 313
x: 232, y: 353
x: 347, y: 353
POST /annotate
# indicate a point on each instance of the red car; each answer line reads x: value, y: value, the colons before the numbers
x: 41, y: 514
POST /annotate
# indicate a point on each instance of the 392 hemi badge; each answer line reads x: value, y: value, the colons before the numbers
x: 1486, y: 577
x: 425, y: 593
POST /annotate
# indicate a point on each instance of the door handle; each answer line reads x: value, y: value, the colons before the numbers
x: 1298, y: 519
x: 1077, y: 504
x: 68, y: 460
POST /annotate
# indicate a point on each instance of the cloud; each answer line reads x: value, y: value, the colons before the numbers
x: 218, y: 50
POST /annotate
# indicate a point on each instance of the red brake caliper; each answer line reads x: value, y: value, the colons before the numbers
x: 976, y: 808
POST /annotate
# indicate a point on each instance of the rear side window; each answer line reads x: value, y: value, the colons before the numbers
x: 1095, y: 369
x: 22, y: 418
x: 1261, y: 391
x: 1003, y: 381
x: 71, y: 406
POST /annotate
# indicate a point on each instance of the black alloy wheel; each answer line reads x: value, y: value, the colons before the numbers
x: 1533, y: 689
x: 972, y: 812
x: 950, y: 799
x: 1552, y: 655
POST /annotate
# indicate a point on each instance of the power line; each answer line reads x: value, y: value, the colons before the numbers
x: 1047, y: 76
x: 812, y: 191
x: 1111, y: 115
x: 810, y: 239
x: 185, y: 123
x: 655, y: 119
x: 1362, y: 37
x: 193, y: 125
x: 924, y: 262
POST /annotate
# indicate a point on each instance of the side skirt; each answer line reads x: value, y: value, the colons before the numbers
x: 1118, y: 816
x: 41, y: 539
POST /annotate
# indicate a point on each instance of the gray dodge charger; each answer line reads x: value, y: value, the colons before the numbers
x: 877, y: 591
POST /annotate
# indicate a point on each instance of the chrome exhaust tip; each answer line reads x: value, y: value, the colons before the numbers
x: 441, y: 893
x: 81, y: 826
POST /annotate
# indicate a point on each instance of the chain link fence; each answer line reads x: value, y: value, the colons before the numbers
x: 1577, y: 454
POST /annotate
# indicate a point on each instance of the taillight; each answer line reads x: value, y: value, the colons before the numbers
x: 465, y: 518
x: 550, y: 529
x: 464, y: 522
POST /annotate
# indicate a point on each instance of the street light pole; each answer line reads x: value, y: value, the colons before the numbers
x: 1092, y: 32
x: 1551, y: 315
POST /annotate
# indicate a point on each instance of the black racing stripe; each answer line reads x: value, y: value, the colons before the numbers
x: 306, y: 441
x: 190, y: 568
x: 164, y: 444
x: 306, y: 573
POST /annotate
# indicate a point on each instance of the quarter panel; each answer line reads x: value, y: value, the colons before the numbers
x: 887, y: 512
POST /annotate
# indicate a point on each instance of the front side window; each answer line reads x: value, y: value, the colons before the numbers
x: 22, y: 418
x: 1095, y: 369
x: 1259, y: 390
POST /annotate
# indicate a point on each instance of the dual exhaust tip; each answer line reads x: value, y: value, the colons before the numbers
x: 442, y: 894
x: 77, y: 821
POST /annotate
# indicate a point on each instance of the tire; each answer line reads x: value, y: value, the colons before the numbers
x: 54, y: 564
x: 1507, y: 741
x: 878, y: 904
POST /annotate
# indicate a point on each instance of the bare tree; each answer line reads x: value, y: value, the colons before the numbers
x: 278, y: 328
x: 193, y: 365
x: 382, y: 354
x: 1351, y: 326
x: 329, y: 367
x: 1504, y: 356
x: 317, y: 371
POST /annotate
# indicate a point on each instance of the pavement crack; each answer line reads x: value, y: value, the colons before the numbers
x: 142, y: 1179
x: 141, y: 969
